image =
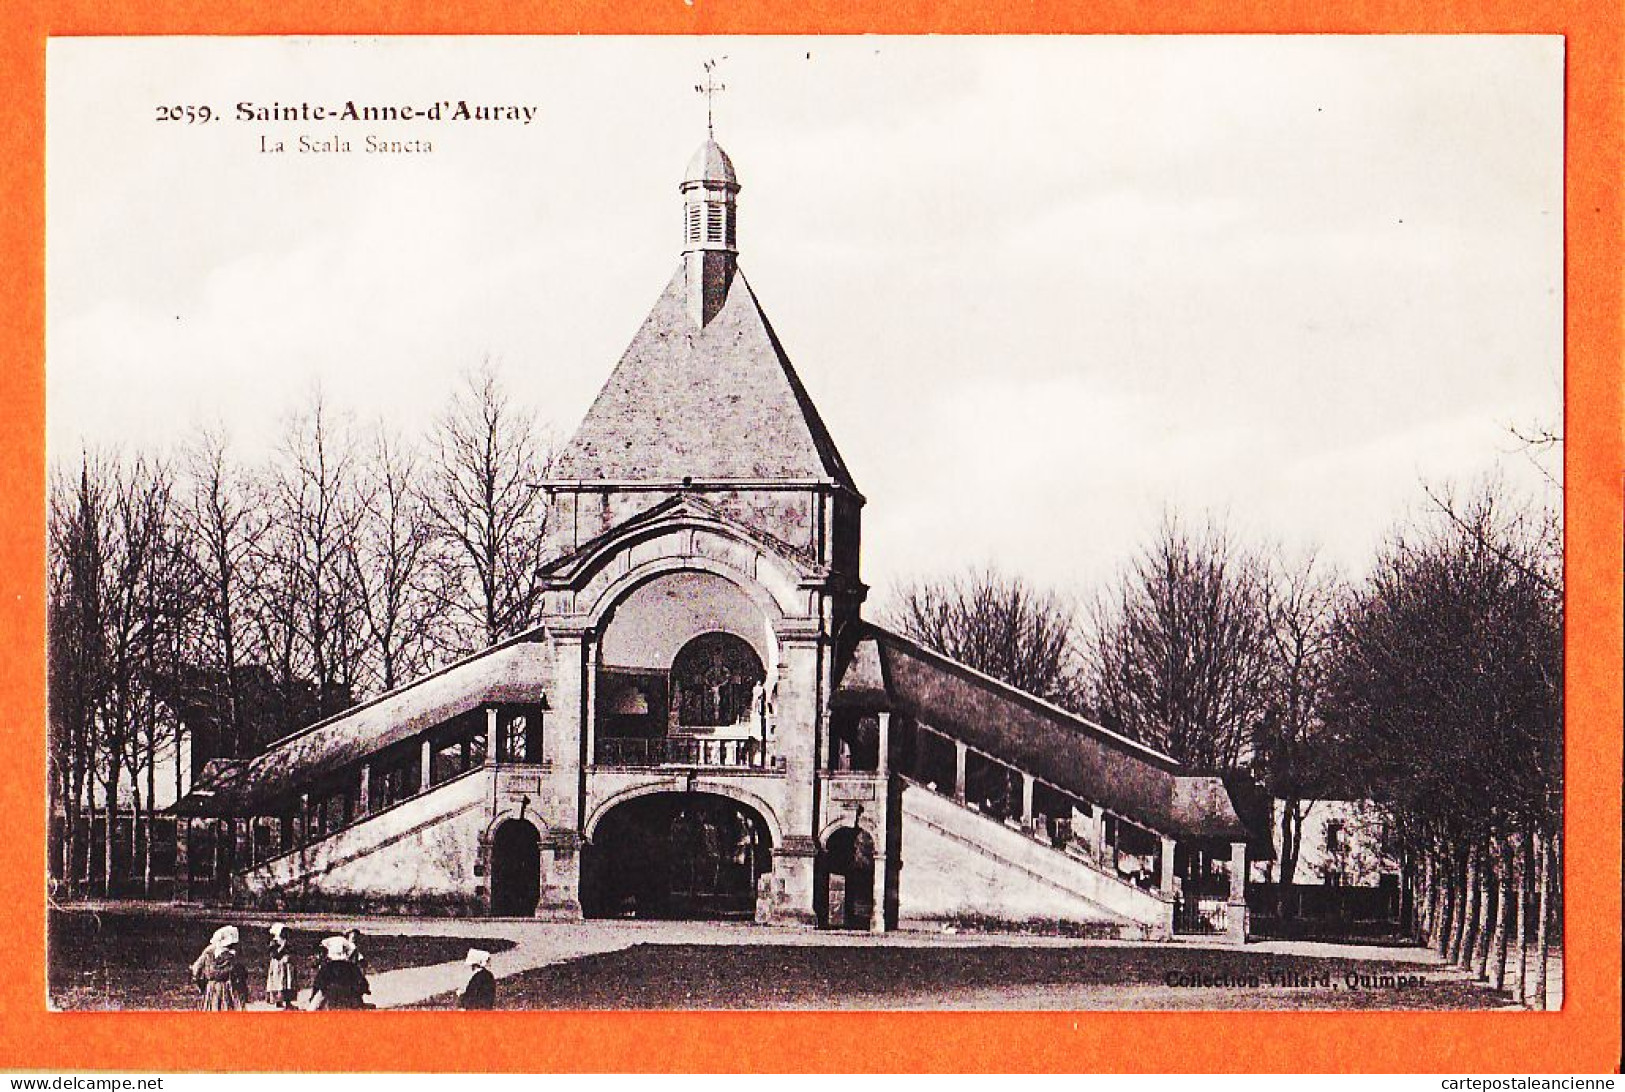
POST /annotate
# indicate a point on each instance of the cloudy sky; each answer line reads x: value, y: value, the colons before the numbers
x: 1041, y: 289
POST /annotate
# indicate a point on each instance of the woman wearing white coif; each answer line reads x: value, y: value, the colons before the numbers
x: 480, y: 991
x: 281, y: 978
x: 339, y: 983
x: 220, y: 974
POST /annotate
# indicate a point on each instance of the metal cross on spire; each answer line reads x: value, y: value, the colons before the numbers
x: 709, y: 89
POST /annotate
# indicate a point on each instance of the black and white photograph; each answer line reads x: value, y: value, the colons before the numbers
x: 879, y: 523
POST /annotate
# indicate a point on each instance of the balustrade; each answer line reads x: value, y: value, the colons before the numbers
x: 678, y: 751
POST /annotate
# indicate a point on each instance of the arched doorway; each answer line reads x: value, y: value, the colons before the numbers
x: 844, y: 879
x: 676, y: 855
x: 716, y: 681
x: 516, y: 870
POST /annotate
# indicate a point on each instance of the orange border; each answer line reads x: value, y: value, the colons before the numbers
x: 1584, y: 1037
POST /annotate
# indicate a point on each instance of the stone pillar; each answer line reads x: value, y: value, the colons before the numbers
x: 491, y: 740
x: 560, y: 898
x: 1236, y: 912
x: 426, y: 765
x: 960, y: 751
x: 877, y: 914
x: 183, y: 859
x: 793, y: 880
x: 302, y: 823
x: 799, y: 708
x: 1167, y: 869
x: 563, y: 800
x: 884, y: 767
x: 1097, y: 837
x: 1027, y: 800
x: 591, y: 650
x: 364, y: 800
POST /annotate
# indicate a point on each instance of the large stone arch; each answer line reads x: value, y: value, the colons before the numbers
x: 775, y: 828
x: 619, y: 567
x: 679, y: 850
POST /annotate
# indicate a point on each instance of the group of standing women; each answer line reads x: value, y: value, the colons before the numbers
x: 339, y: 982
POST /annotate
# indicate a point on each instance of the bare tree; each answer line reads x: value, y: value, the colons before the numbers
x: 999, y: 625
x: 1179, y: 656
x: 77, y: 642
x: 487, y: 511
x: 315, y: 510
x: 1301, y: 608
x: 1445, y: 698
x: 395, y: 564
x: 222, y: 522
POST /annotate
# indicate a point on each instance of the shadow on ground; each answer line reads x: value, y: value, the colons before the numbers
x: 683, y: 976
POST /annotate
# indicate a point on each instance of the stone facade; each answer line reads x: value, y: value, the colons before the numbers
x: 701, y: 723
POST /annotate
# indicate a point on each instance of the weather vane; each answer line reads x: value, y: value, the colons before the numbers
x: 709, y: 89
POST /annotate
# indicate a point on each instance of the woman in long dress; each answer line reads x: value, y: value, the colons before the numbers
x: 220, y: 974
x: 339, y: 984
x: 281, y: 977
x: 480, y: 991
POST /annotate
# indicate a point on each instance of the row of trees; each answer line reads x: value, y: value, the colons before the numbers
x: 1432, y: 687
x: 249, y: 600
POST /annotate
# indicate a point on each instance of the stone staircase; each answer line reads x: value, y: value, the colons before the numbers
x: 959, y: 863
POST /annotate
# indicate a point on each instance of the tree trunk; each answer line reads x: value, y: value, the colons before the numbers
x: 1447, y: 908
x: 1463, y: 910
x: 1487, y: 911
x: 1436, y: 916
x: 112, y: 827
x: 1543, y: 922
x: 152, y: 795
x: 90, y: 834
x: 1503, y: 916
x: 135, y: 826
x: 1470, y: 909
x: 1407, y: 895
x: 1424, y: 899
x: 1526, y: 868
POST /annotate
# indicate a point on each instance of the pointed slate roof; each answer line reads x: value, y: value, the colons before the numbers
x: 717, y: 402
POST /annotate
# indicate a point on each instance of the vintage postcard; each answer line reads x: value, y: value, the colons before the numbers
x: 872, y: 523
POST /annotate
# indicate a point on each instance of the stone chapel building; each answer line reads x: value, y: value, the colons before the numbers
x: 703, y: 724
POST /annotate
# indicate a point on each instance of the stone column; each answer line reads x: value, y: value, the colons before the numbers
x: 877, y: 914
x: 801, y: 723
x: 491, y: 740
x: 793, y: 880
x: 883, y: 821
x: 1167, y: 869
x: 364, y: 800
x: 591, y: 650
x: 183, y: 859
x: 960, y: 751
x: 1027, y: 801
x: 426, y: 766
x: 560, y: 898
x: 221, y: 846
x: 563, y: 802
x: 1236, y: 912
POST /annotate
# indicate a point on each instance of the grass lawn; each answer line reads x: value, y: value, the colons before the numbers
x: 657, y: 976
x: 102, y: 960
